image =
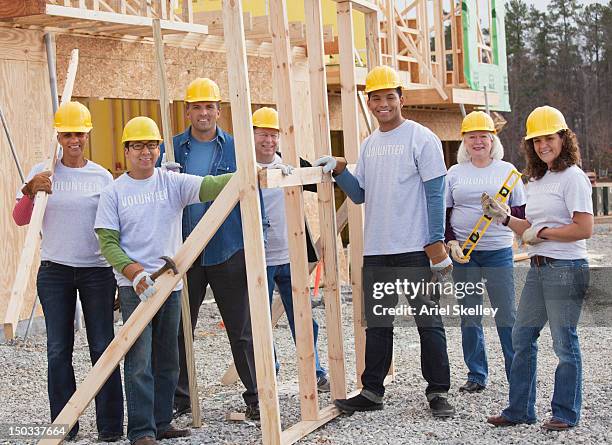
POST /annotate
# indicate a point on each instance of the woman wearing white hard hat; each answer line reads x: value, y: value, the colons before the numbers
x: 481, y: 169
x: 559, y: 216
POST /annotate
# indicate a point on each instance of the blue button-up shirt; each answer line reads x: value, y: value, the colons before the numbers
x: 228, y: 239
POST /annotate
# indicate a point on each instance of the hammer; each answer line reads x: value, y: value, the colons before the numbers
x: 170, y: 265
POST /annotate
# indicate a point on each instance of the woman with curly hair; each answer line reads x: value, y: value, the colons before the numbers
x: 559, y: 216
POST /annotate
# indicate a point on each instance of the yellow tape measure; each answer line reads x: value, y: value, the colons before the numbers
x: 484, y: 222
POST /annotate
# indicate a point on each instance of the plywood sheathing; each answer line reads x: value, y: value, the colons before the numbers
x: 26, y: 102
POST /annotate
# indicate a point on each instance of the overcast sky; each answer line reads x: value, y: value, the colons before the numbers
x: 541, y: 4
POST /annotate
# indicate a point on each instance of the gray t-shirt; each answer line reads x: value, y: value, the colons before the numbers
x: 392, y: 168
x: 551, y: 202
x: 148, y: 214
x: 277, y: 245
x: 465, y: 185
x: 68, y: 235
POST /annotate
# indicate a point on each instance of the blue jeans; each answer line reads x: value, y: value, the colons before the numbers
x: 57, y: 288
x: 151, y: 367
x: 495, y: 267
x: 281, y: 275
x: 553, y: 292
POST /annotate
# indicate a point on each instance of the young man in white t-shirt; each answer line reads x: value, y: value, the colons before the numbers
x: 266, y: 135
x: 138, y: 221
x: 400, y: 177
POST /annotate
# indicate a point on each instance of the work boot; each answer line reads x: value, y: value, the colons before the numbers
x: 440, y: 407
x: 173, y: 432
x: 252, y: 412
x: 357, y: 403
x: 471, y: 387
x: 323, y: 384
x: 146, y: 440
x: 499, y: 421
x: 555, y: 425
x: 180, y: 410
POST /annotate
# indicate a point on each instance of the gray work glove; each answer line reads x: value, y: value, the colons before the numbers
x: 143, y: 285
x: 286, y: 169
x: 530, y: 236
x: 170, y: 166
x: 456, y: 252
x: 328, y: 163
x: 499, y: 211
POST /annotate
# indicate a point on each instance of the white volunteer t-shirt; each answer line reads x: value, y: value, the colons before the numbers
x: 391, y: 169
x: 551, y: 202
x: 68, y: 235
x: 277, y: 245
x: 148, y: 214
x: 465, y: 184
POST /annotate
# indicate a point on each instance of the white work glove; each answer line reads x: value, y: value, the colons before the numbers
x: 499, y: 211
x: 143, y: 285
x: 327, y: 162
x: 530, y: 236
x: 170, y: 166
x: 286, y: 169
x: 456, y: 252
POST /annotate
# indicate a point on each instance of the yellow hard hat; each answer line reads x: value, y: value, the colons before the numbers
x: 73, y: 117
x: 141, y: 128
x: 203, y: 89
x: 544, y: 120
x: 266, y: 118
x: 477, y: 121
x: 381, y: 78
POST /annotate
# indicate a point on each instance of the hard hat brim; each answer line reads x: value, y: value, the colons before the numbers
x: 494, y: 131
x: 272, y: 127
x: 387, y: 86
x: 202, y: 99
x: 535, y: 134
x: 134, y: 139
x: 78, y: 129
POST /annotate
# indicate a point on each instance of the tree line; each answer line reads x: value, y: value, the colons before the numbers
x: 562, y: 57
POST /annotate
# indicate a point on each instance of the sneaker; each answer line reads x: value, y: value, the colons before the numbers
x: 252, y: 412
x: 178, y: 411
x: 323, y: 383
x: 357, y: 403
x: 470, y: 386
x: 440, y: 407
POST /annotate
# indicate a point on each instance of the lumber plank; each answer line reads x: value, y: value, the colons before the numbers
x: 32, y: 241
x: 144, y: 313
x: 185, y: 312
x: 273, y: 178
x: 325, y: 196
x: 350, y: 125
x: 391, y: 32
x: 294, y: 209
x: 252, y: 229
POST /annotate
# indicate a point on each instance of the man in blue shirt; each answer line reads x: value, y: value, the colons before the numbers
x: 205, y: 149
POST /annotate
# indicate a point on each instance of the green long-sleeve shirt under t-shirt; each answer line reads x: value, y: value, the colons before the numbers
x: 110, y: 240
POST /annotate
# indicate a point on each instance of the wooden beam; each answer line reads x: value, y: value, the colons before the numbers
x: 185, y: 312
x: 32, y: 240
x: 282, y: 70
x: 325, y: 195
x: 252, y: 229
x: 296, y: 432
x: 273, y: 178
x: 372, y: 29
x: 391, y: 32
x: 364, y: 6
x: 21, y: 8
x: 350, y: 126
x: 144, y: 312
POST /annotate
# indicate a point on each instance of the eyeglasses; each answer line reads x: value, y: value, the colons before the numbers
x: 140, y: 146
x: 273, y: 136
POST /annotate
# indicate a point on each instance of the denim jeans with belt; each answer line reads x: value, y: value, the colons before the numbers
x: 57, y: 287
x: 281, y: 275
x: 496, y: 268
x: 379, y: 340
x: 554, y: 292
x: 151, y: 367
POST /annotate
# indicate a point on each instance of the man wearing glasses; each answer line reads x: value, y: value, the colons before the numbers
x: 138, y: 221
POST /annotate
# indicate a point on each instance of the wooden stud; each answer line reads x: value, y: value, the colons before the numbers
x: 185, y: 312
x: 273, y: 178
x: 325, y: 195
x: 252, y: 230
x: 439, y: 41
x: 144, y: 312
x: 294, y: 210
x: 350, y: 125
x: 391, y: 32
x: 32, y: 240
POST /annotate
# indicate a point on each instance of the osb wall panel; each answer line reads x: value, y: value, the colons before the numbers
x: 119, y: 69
x: 26, y: 102
x: 445, y: 124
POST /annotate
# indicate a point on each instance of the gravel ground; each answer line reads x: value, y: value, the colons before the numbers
x: 405, y: 418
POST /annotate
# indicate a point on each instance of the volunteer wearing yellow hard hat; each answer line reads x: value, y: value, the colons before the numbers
x: 206, y: 149
x: 71, y: 262
x: 479, y: 169
x: 266, y: 136
x: 559, y: 219
x: 401, y: 162
x: 138, y: 221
